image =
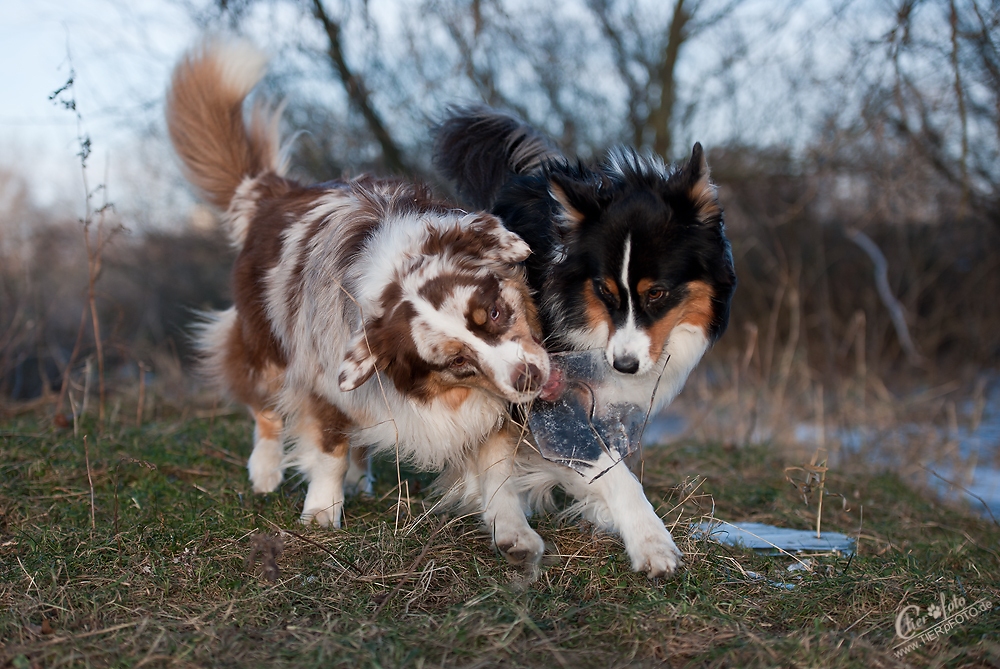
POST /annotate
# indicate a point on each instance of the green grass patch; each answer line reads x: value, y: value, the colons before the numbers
x: 160, y: 555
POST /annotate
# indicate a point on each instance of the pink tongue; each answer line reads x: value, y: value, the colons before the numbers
x: 554, y: 387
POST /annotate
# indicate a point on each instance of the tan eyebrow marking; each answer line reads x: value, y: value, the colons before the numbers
x: 611, y: 286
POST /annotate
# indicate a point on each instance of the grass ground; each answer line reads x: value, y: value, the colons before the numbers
x: 170, y: 561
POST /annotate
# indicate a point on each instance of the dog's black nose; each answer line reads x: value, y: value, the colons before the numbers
x: 627, y: 364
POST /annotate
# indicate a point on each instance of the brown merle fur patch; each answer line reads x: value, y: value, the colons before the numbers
x: 280, y: 204
x: 469, y: 246
x: 334, y: 426
x: 253, y: 379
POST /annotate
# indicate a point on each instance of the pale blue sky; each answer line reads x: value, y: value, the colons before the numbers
x: 121, y: 52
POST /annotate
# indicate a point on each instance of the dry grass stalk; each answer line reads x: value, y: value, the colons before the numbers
x: 90, y: 479
x: 814, y: 481
x: 74, y: 412
x: 94, y: 244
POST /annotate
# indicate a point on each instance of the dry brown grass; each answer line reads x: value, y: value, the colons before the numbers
x: 179, y: 584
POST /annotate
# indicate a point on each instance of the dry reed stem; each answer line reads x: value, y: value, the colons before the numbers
x: 64, y: 389
x: 88, y: 369
x: 76, y: 416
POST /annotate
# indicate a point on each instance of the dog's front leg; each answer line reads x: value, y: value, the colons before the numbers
x: 324, y: 462
x: 503, y: 512
x: 615, y: 501
x: 265, y: 459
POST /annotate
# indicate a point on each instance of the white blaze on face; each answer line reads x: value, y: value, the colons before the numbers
x: 628, y: 348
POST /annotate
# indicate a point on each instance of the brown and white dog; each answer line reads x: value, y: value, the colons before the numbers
x: 366, y: 314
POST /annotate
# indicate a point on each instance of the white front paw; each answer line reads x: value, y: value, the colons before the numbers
x: 265, y: 467
x: 325, y: 517
x: 520, y: 546
x: 655, y: 553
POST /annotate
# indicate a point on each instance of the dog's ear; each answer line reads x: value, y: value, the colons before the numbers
x: 358, y: 364
x: 509, y: 248
x: 694, y: 179
x: 579, y: 200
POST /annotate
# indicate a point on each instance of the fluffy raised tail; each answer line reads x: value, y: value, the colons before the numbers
x: 479, y: 149
x: 219, y: 150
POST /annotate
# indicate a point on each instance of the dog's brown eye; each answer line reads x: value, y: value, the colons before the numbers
x: 459, y: 361
x: 656, y: 294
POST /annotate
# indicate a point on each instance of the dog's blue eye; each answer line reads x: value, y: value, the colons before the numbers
x: 494, y: 313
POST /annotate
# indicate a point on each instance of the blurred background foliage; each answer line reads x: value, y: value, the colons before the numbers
x: 845, y: 136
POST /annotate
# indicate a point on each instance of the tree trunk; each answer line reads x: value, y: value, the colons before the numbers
x: 358, y: 93
x: 661, y: 117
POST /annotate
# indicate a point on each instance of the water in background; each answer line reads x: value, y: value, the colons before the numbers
x: 978, y: 451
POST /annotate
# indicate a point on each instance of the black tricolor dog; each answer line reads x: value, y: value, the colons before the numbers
x: 629, y: 257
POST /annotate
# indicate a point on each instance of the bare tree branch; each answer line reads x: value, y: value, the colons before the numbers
x: 356, y: 91
x: 638, y: 92
x: 896, y: 311
x: 661, y: 116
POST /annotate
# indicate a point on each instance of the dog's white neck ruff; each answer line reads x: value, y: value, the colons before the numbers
x: 428, y: 435
x: 685, y: 348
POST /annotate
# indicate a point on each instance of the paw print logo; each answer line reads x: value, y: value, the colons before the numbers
x: 935, y: 611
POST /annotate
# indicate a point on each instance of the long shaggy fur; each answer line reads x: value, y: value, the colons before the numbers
x: 629, y: 257
x: 479, y: 151
x: 367, y: 314
x: 218, y: 149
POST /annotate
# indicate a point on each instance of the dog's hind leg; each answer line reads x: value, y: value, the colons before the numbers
x: 503, y: 511
x: 359, y: 477
x: 322, y: 454
x: 265, y: 465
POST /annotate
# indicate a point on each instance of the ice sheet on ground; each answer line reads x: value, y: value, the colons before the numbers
x: 768, y: 538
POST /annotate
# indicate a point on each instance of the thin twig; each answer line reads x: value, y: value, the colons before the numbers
x: 966, y: 491
x: 338, y: 558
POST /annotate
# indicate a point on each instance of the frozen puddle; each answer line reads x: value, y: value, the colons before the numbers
x: 774, y: 540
